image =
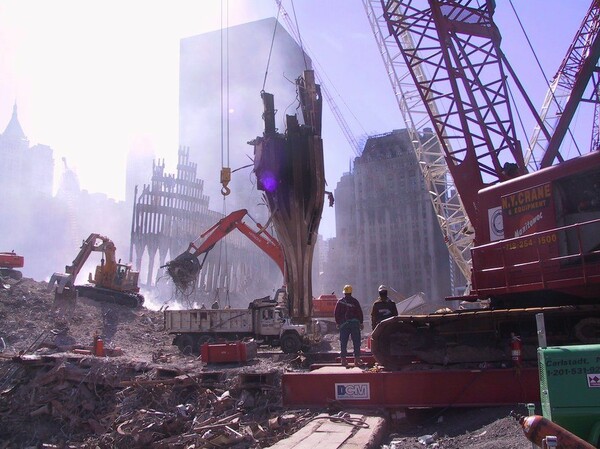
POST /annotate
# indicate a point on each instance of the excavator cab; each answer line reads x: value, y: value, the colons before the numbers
x: 123, y: 278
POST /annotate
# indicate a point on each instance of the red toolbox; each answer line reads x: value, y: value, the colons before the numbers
x: 229, y: 352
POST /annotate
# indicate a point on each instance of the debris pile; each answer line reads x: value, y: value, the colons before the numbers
x: 145, y: 394
x: 55, y: 393
x: 112, y: 402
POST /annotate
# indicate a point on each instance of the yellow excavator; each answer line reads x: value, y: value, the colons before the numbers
x: 113, y: 281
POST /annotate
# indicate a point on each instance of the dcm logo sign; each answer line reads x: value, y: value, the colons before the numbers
x: 352, y: 391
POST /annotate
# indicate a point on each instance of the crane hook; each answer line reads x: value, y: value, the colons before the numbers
x: 225, y: 178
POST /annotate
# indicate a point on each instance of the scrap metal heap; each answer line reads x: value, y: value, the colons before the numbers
x: 290, y: 172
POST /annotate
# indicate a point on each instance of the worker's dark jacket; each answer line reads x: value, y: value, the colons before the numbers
x: 348, y: 309
x: 382, y: 308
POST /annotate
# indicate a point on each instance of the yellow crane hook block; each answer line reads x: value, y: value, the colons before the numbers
x: 225, y: 178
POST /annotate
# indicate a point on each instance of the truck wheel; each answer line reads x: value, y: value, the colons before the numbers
x: 290, y: 343
x: 186, y: 344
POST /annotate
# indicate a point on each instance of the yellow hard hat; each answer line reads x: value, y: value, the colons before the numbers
x: 347, y: 289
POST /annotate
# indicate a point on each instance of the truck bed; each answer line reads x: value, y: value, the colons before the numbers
x: 209, y: 320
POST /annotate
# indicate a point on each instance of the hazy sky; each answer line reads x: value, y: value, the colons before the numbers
x: 92, y: 78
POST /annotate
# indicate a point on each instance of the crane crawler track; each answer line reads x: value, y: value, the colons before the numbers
x: 479, y: 336
x: 133, y: 300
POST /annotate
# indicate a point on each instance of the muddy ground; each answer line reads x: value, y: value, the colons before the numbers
x: 147, y: 394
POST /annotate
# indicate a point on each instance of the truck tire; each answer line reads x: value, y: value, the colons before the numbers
x: 186, y: 344
x: 290, y: 343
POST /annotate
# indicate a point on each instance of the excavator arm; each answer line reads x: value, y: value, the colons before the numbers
x: 184, y: 268
x: 113, y: 282
x: 94, y: 243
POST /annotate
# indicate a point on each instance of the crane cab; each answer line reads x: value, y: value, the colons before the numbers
x: 541, y: 232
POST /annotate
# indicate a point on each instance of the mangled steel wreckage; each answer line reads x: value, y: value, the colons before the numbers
x: 289, y: 169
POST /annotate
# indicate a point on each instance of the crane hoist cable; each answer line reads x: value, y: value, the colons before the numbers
x: 321, y: 75
x: 223, y: 274
x: 271, y: 49
x: 299, y: 36
x: 537, y: 60
x: 225, y: 167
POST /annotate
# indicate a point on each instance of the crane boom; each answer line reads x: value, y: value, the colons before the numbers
x: 575, y: 73
x: 537, y: 235
x: 450, y: 211
x: 459, y: 44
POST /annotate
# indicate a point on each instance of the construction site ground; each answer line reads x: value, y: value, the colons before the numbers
x: 145, y: 394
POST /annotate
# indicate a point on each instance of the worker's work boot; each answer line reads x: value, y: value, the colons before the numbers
x: 344, y: 361
x: 357, y: 361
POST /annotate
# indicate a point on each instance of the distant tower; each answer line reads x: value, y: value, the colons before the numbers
x: 202, y: 125
x: 69, y: 192
x: 25, y: 172
x: 385, y: 214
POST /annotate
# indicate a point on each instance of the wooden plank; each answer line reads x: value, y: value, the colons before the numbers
x: 332, y: 433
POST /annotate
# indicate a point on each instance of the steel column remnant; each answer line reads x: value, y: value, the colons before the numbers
x: 290, y: 171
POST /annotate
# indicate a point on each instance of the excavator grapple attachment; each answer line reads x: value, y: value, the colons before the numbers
x: 184, y: 270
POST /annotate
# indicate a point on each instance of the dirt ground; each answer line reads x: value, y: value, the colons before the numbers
x: 56, y: 395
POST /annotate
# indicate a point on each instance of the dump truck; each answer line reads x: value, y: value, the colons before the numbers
x: 265, y: 321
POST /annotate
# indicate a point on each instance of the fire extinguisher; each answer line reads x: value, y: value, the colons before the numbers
x: 516, y: 349
x: 98, y: 346
x: 537, y: 429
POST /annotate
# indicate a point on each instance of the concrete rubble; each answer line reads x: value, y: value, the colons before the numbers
x: 54, y: 393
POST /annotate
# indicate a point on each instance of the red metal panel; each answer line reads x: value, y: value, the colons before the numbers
x: 11, y: 260
x: 399, y: 389
x: 324, y: 306
x: 227, y: 352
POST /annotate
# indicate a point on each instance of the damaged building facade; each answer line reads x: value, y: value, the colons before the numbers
x: 170, y: 213
x: 218, y: 137
x: 383, y: 212
x: 175, y: 209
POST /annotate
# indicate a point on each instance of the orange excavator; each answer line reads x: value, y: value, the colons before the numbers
x: 184, y: 269
x: 113, y: 281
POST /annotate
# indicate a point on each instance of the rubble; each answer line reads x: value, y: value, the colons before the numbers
x: 104, y: 402
x: 144, y: 393
x: 54, y: 393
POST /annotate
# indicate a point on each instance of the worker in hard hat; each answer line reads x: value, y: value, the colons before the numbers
x: 383, y: 307
x: 349, y: 319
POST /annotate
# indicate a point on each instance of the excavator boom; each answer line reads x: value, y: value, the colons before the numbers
x: 184, y: 269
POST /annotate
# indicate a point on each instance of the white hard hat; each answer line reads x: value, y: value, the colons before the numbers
x: 382, y: 288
